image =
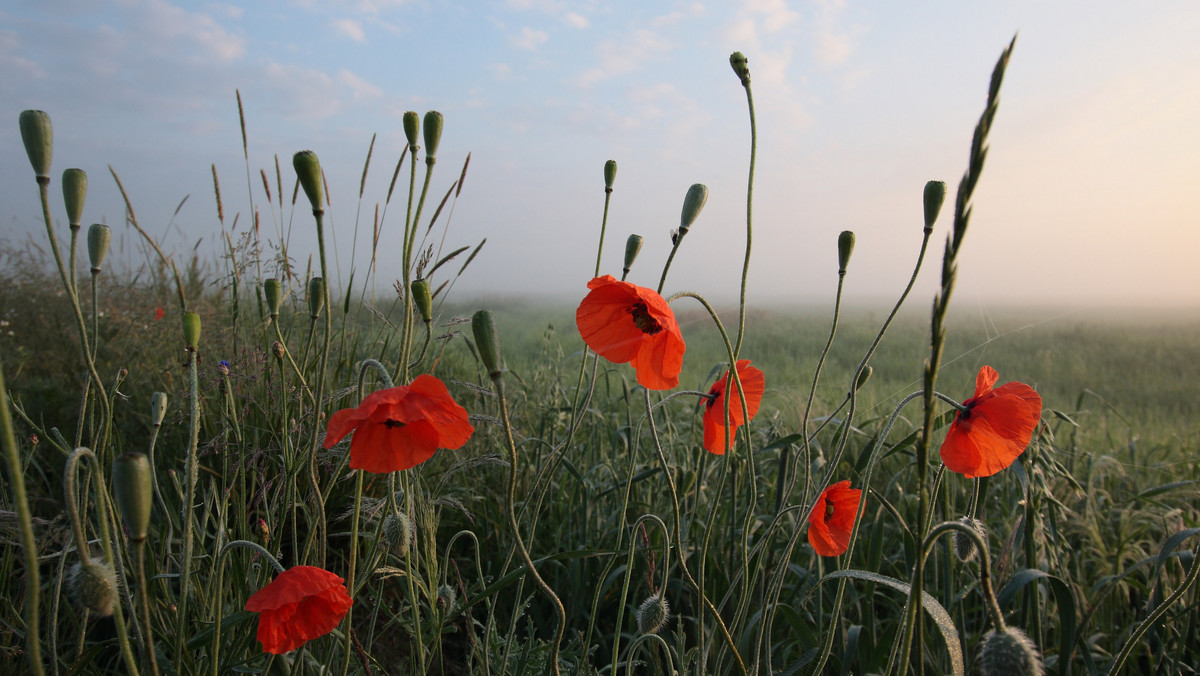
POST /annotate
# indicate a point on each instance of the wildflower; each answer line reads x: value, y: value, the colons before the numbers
x: 158, y: 313
x: 301, y: 604
x: 223, y: 367
x: 993, y: 428
x: 624, y: 322
x: 401, y: 427
x: 832, y: 519
x: 716, y: 437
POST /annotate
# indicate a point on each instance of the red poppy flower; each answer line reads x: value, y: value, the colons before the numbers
x: 401, y: 427
x: 158, y: 313
x: 716, y: 437
x: 993, y: 428
x: 832, y: 519
x: 624, y: 322
x: 301, y: 604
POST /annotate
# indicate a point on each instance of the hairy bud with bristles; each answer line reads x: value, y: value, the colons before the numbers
x: 93, y: 585
x: 653, y: 614
x: 964, y: 545
x: 1009, y: 653
x: 398, y: 533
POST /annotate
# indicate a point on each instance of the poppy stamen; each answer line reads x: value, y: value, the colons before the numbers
x: 642, y: 319
x: 392, y: 424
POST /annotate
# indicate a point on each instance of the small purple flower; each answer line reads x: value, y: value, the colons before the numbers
x: 223, y: 367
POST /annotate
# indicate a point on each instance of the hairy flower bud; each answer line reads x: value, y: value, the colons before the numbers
x: 316, y: 297
x: 433, y: 135
x: 38, y: 135
x: 693, y: 202
x: 633, y: 246
x: 93, y: 585
x: 653, y: 614
x: 98, y: 238
x: 158, y: 408
x: 191, y: 329
x: 308, y: 171
x: 484, y: 328
x: 845, y: 248
x: 74, y: 186
x: 412, y: 126
x: 935, y: 195
x: 273, y: 291
x: 133, y: 491
x: 1009, y: 653
x: 964, y: 545
x: 398, y: 533
x: 610, y: 174
x: 422, y: 298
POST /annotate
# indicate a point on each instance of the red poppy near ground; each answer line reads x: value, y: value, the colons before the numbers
x: 716, y: 437
x: 832, y: 519
x: 401, y: 427
x: 158, y: 313
x: 624, y: 322
x: 301, y: 604
x: 993, y: 428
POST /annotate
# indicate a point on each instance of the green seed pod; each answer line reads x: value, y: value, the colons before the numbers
x: 935, y: 195
x: 308, y: 170
x: 845, y: 248
x: 74, y: 185
x: 863, y: 377
x: 741, y: 67
x: 964, y: 545
x: 133, y: 492
x: 610, y: 174
x: 191, y: 329
x: 433, y: 135
x: 273, y: 290
x: 158, y: 408
x: 38, y: 135
x: 633, y: 246
x: 422, y: 298
x: 484, y: 328
x: 93, y: 585
x: 316, y: 296
x: 99, y: 236
x: 1009, y: 653
x: 693, y: 202
x: 653, y: 614
x: 412, y: 126
x: 398, y: 533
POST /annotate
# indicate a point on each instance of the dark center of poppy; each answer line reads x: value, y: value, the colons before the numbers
x: 965, y: 413
x: 828, y: 511
x: 642, y: 319
x: 712, y: 397
x: 392, y: 424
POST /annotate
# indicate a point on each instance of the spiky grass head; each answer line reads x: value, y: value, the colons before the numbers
x: 1009, y: 653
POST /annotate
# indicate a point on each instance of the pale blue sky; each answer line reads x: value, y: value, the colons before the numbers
x: 1089, y: 197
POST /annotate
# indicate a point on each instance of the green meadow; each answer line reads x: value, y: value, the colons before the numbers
x: 169, y: 457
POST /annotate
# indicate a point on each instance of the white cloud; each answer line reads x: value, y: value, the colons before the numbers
x: 360, y: 89
x: 576, y: 20
x: 164, y: 25
x: 693, y: 10
x: 351, y: 29
x: 302, y: 92
x: 617, y: 58
x: 530, y: 38
x: 501, y: 71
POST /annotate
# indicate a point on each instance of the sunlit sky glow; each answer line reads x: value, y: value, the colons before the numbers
x: 1090, y: 194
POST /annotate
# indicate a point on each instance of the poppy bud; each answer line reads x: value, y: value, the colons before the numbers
x: 273, y: 290
x: 38, y: 135
x: 863, y: 377
x: 935, y: 194
x: 74, y: 184
x: 158, y: 407
x: 133, y: 492
x: 1009, y: 652
x: 610, y: 174
x: 316, y: 297
x: 845, y: 248
x: 633, y: 246
x: 264, y: 531
x: 739, y: 62
x: 412, y: 125
x: 308, y: 170
x: 484, y: 328
x: 693, y: 202
x: 422, y: 298
x: 447, y: 598
x: 277, y: 349
x: 653, y: 614
x: 98, y: 238
x: 964, y: 545
x: 93, y: 584
x: 433, y: 135
x: 191, y: 329
x: 398, y: 533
